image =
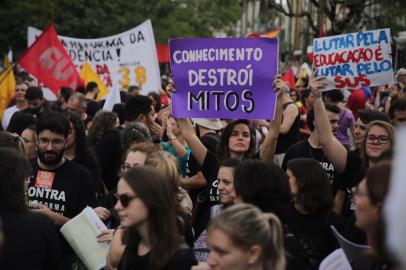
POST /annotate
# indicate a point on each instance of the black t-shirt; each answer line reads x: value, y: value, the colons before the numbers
x: 109, y: 154
x: 210, y: 141
x: 92, y: 107
x: 45, y: 108
x: 210, y: 171
x: 314, y: 234
x: 208, y: 201
x: 183, y: 259
x: 355, y: 172
x: 89, y: 161
x: 293, y: 135
x: 303, y: 149
x: 66, y: 190
x: 31, y: 242
x: 295, y: 258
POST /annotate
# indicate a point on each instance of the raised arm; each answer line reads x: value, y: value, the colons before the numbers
x: 289, y: 116
x: 197, y: 148
x: 269, y: 144
x: 332, y: 148
x: 180, y: 149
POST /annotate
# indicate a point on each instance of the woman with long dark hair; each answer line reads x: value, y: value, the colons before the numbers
x: 77, y: 149
x: 237, y: 141
x: 310, y: 214
x: 146, y: 206
x: 30, y: 238
x: 266, y: 186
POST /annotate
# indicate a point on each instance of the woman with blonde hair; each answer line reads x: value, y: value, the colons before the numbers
x: 243, y: 238
x: 137, y: 154
x: 168, y: 165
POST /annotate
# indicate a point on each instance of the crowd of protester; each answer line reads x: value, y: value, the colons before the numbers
x: 197, y: 193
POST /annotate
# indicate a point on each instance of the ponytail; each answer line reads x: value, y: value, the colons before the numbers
x: 275, y: 249
x: 247, y: 226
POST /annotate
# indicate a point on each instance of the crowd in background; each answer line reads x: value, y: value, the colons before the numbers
x: 198, y: 193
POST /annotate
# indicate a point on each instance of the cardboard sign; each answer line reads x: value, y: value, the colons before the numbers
x: 128, y: 58
x: 224, y: 77
x: 355, y: 60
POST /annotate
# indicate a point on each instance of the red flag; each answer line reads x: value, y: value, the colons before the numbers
x: 50, y: 63
x: 289, y: 78
x: 321, y: 30
x: 253, y: 35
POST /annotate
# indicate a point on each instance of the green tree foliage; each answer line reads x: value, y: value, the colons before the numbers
x: 98, y: 18
x: 347, y: 15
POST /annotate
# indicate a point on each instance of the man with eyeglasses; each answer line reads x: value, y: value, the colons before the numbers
x: 58, y: 188
x: 21, y: 103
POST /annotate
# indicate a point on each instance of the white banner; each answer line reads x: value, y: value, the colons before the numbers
x: 128, y: 58
x: 354, y: 60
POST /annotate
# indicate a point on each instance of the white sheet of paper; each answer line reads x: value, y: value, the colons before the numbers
x: 336, y: 260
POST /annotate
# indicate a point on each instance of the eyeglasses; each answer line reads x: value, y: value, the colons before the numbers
x: 55, y: 142
x: 125, y: 199
x: 380, y: 139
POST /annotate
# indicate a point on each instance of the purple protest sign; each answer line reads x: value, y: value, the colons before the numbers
x: 224, y: 77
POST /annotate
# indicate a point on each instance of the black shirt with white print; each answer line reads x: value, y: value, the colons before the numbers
x: 66, y: 190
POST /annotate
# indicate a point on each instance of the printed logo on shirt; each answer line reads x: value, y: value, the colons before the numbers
x: 328, y: 168
x: 53, y: 199
x: 353, y: 206
x: 214, y: 192
x: 44, y: 179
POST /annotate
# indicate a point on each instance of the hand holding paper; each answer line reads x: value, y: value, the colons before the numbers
x: 81, y: 233
x: 317, y: 85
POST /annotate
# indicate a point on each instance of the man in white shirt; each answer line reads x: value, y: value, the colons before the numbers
x: 21, y: 103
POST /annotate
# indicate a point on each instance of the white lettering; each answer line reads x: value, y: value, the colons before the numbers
x: 175, y: 57
x: 54, y: 194
x: 193, y: 77
x: 221, y: 54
